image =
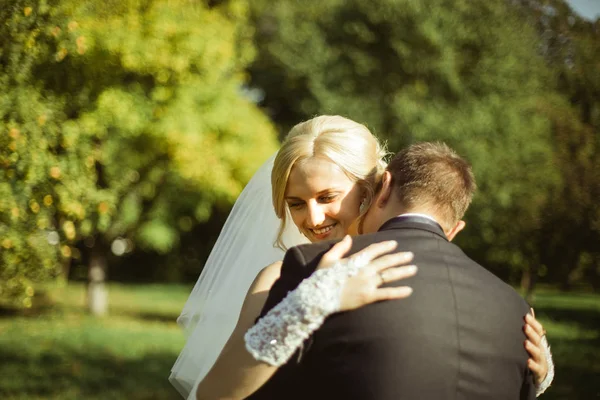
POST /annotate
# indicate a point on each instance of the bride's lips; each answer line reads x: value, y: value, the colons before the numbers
x: 323, y: 232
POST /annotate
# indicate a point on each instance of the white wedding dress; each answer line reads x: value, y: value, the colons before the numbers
x: 244, y: 247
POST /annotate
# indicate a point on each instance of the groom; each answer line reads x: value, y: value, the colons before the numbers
x: 459, y: 336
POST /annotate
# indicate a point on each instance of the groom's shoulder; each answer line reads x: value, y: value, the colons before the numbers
x: 311, y: 253
x: 490, y: 282
x: 306, y: 253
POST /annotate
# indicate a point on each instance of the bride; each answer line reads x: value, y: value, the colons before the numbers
x: 233, y: 285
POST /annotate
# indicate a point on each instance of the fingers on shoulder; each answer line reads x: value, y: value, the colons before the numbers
x: 338, y: 251
x: 377, y: 249
x: 532, y: 334
x: 535, y: 324
x: 534, y: 366
x: 533, y: 350
x: 392, y: 293
x: 397, y: 273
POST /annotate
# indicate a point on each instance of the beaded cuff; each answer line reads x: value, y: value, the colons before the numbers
x: 277, y: 336
x: 545, y: 384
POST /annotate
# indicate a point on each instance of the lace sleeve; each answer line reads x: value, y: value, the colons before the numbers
x: 545, y: 384
x: 276, y: 336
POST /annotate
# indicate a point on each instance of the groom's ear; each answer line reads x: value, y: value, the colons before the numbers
x: 383, y: 196
x: 460, y: 225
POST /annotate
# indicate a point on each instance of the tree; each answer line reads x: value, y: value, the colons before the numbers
x: 27, y: 158
x: 571, y: 229
x: 465, y: 72
x: 151, y: 128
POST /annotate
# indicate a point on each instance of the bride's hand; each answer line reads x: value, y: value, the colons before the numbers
x: 534, y: 346
x: 364, y: 287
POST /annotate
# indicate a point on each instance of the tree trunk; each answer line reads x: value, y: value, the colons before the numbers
x: 66, y: 268
x: 528, y: 280
x: 97, y: 293
x: 594, y: 274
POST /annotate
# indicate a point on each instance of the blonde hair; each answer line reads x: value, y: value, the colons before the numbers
x: 346, y: 143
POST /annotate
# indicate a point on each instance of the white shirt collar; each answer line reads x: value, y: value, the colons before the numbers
x: 419, y: 215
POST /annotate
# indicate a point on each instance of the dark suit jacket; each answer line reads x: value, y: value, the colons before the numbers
x: 459, y: 336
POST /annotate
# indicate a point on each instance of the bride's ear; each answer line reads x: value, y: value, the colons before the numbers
x: 384, y: 194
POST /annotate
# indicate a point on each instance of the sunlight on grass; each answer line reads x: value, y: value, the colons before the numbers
x: 63, y: 353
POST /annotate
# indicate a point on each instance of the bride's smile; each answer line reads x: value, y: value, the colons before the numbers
x: 323, y: 230
x: 323, y: 201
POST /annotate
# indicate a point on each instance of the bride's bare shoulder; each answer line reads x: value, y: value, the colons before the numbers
x: 266, y: 277
x: 257, y: 295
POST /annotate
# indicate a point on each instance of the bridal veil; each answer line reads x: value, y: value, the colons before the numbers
x: 244, y: 247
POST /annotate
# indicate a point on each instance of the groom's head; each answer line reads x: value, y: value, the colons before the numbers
x: 427, y: 178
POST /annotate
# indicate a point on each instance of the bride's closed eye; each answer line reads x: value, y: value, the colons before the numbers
x: 295, y: 206
x: 324, y: 199
x: 328, y: 198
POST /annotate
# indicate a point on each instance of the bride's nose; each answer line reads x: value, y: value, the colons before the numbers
x: 316, y: 215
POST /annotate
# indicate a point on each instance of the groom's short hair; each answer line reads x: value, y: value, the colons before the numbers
x: 434, y: 176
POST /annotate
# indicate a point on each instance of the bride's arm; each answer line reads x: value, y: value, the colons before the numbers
x: 236, y: 375
x: 540, y: 363
x: 230, y: 368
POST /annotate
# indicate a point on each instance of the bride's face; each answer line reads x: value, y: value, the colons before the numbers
x: 323, y: 201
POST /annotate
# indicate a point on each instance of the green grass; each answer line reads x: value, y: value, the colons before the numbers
x: 59, y: 352
x: 63, y: 353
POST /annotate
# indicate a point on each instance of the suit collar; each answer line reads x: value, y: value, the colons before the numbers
x: 414, y: 222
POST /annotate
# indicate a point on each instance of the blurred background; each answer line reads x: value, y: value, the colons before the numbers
x: 129, y: 127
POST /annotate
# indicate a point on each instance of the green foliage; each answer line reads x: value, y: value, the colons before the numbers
x: 27, y: 157
x: 464, y: 72
x: 571, y: 46
x: 122, y: 119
